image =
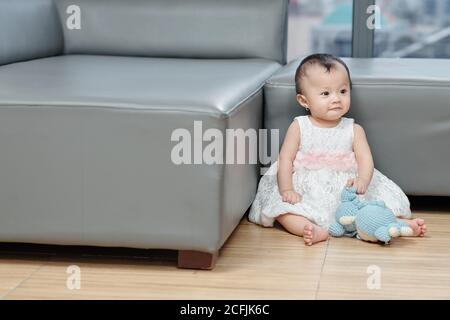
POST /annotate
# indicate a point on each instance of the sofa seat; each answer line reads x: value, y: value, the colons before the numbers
x: 207, y: 86
x: 86, y: 150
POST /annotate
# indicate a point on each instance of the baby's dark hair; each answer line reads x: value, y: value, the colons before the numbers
x: 328, y: 61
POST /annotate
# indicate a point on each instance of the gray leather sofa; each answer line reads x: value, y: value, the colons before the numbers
x: 91, y: 92
x: 404, y: 107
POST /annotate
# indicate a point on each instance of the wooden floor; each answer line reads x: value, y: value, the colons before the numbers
x: 255, y: 263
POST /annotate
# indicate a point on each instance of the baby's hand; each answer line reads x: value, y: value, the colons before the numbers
x: 360, y: 184
x: 291, y: 196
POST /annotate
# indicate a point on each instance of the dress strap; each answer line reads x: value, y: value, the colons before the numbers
x: 299, y: 120
x: 302, y: 122
x: 348, y: 125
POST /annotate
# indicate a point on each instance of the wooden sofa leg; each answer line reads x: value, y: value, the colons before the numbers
x: 197, y: 259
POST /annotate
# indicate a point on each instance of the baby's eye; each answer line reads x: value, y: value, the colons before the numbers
x: 325, y: 93
x: 344, y: 91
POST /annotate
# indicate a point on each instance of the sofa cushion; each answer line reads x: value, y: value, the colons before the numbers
x: 174, y: 28
x: 207, y: 86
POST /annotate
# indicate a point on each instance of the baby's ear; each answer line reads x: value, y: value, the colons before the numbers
x: 301, y: 99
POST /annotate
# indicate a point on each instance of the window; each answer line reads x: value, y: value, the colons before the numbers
x: 320, y: 26
x: 413, y: 29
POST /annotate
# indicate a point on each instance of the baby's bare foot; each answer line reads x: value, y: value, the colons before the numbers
x: 313, y: 234
x: 418, y: 226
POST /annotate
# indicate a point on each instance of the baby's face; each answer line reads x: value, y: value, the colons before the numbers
x: 326, y: 94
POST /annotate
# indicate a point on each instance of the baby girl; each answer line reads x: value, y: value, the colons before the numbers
x: 322, y: 153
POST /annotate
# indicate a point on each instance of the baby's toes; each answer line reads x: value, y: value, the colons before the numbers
x: 423, y: 230
x: 307, y: 240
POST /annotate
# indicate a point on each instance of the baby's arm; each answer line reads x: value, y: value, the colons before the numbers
x: 363, y: 158
x: 286, y: 159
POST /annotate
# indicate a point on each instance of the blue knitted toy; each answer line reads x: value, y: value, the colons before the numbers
x: 344, y: 224
x: 375, y: 222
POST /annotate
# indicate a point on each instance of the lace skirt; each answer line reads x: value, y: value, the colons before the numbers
x: 321, y: 194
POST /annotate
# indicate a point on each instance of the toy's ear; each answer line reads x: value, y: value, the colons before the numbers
x: 382, y: 234
x: 348, y: 194
x: 336, y: 230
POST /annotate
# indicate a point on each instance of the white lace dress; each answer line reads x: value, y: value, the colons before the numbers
x: 324, y: 163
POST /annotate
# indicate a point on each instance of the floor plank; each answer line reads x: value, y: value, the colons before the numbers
x: 16, y: 269
x: 255, y: 263
x: 409, y: 268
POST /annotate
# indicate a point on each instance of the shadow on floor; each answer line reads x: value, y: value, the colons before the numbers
x: 429, y: 203
x: 28, y: 251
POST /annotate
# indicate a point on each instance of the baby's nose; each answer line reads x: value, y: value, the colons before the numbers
x: 336, y: 98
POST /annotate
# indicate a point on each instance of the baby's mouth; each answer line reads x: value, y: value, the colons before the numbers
x: 336, y: 109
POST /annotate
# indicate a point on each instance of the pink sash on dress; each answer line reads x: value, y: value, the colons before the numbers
x: 315, y: 160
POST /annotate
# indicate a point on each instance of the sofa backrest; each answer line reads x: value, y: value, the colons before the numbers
x: 176, y: 28
x: 29, y: 29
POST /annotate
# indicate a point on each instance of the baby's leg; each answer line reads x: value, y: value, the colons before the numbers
x: 301, y: 226
x: 417, y: 225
